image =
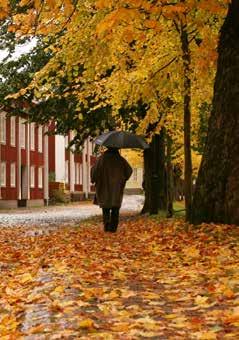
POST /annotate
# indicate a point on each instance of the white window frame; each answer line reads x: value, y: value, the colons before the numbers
x: 77, y: 173
x: 66, y: 141
x: 135, y: 174
x: 13, y: 175
x: 22, y: 134
x: 3, y: 174
x: 67, y: 172
x: 40, y: 138
x: 81, y: 174
x: 40, y: 177
x: 32, y: 176
x: 13, y: 131
x: 32, y: 136
x: 3, y: 127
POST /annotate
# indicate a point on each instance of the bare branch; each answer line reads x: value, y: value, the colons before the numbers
x: 163, y: 67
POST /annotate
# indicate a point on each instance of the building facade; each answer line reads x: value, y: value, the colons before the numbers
x: 69, y: 167
x: 23, y: 163
x: 33, y: 162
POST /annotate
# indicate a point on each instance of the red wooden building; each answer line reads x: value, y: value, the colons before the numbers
x: 31, y: 162
x: 23, y: 163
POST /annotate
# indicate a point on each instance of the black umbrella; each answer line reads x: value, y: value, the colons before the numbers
x: 121, y: 140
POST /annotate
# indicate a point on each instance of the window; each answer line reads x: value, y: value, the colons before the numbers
x: 77, y: 173
x: 32, y: 136
x: 66, y: 141
x: 22, y: 134
x: 81, y: 174
x: 40, y: 177
x: 13, y: 175
x: 32, y: 176
x: 13, y: 131
x: 3, y: 174
x: 40, y: 138
x: 135, y: 177
x: 67, y: 172
x: 72, y: 136
x: 3, y: 128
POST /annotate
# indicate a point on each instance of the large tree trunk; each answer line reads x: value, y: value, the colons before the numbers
x: 216, y: 197
x: 154, y: 176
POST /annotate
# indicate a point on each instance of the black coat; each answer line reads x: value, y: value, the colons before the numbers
x: 110, y: 174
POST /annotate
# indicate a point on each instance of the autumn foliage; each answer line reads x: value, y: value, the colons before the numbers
x: 152, y: 278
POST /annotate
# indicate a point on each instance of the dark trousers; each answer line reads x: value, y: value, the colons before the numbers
x: 111, y: 218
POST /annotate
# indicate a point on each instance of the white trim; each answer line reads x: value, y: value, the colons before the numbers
x: 66, y: 141
x: 22, y: 133
x: 3, y: 175
x: 32, y: 136
x: 40, y: 177
x: 3, y: 127
x: 32, y: 176
x: 85, y: 172
x: 77, y: 173
x: 40, y: 138
x: 13, y: 131
x: 72, y: 168
x: 0, y: 168
x: 67, y: 172
x: 46, y: 165
x: 81, y: 174
x: 28, y: 159
x: 13, y: 175
x: 59, y: 158
x: 19, y: 189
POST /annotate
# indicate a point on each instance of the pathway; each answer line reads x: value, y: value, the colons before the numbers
x: 55, y: 215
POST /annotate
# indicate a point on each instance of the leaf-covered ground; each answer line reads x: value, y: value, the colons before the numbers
x: 152, y: 279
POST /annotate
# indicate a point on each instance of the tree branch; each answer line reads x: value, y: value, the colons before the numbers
x: 163, y: 67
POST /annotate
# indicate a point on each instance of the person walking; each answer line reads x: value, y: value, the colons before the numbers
x: 109, y: 174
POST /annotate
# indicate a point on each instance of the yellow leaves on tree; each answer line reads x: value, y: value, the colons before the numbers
x: 130, y: 51
x: 4, y: 9
x: 114, y: 18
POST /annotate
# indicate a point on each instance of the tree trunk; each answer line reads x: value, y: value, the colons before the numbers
x: 187, y: 121
x: 147, y: 179
x: 154, y: 176
x: 216, y: 197
x: 160, y: 171
x: 170, y: 186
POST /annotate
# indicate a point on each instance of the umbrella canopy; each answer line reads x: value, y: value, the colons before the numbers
x: 121, y: 140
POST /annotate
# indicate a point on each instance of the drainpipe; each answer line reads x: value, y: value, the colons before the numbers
x: 28, y: 159
x: 85, y: 171
x: 72, y: 167
x: 0, y: 168
x: 88, y: 163
x: 19, y: 179
x: 46, y: 166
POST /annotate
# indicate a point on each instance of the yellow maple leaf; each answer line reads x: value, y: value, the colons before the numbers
x: 201, y: 300
x: 27, y: 277
x: 59, y: 289
x: 121, y: 327
x: 206, y: 335
x: 191, y: 251
x: 86, y: 324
